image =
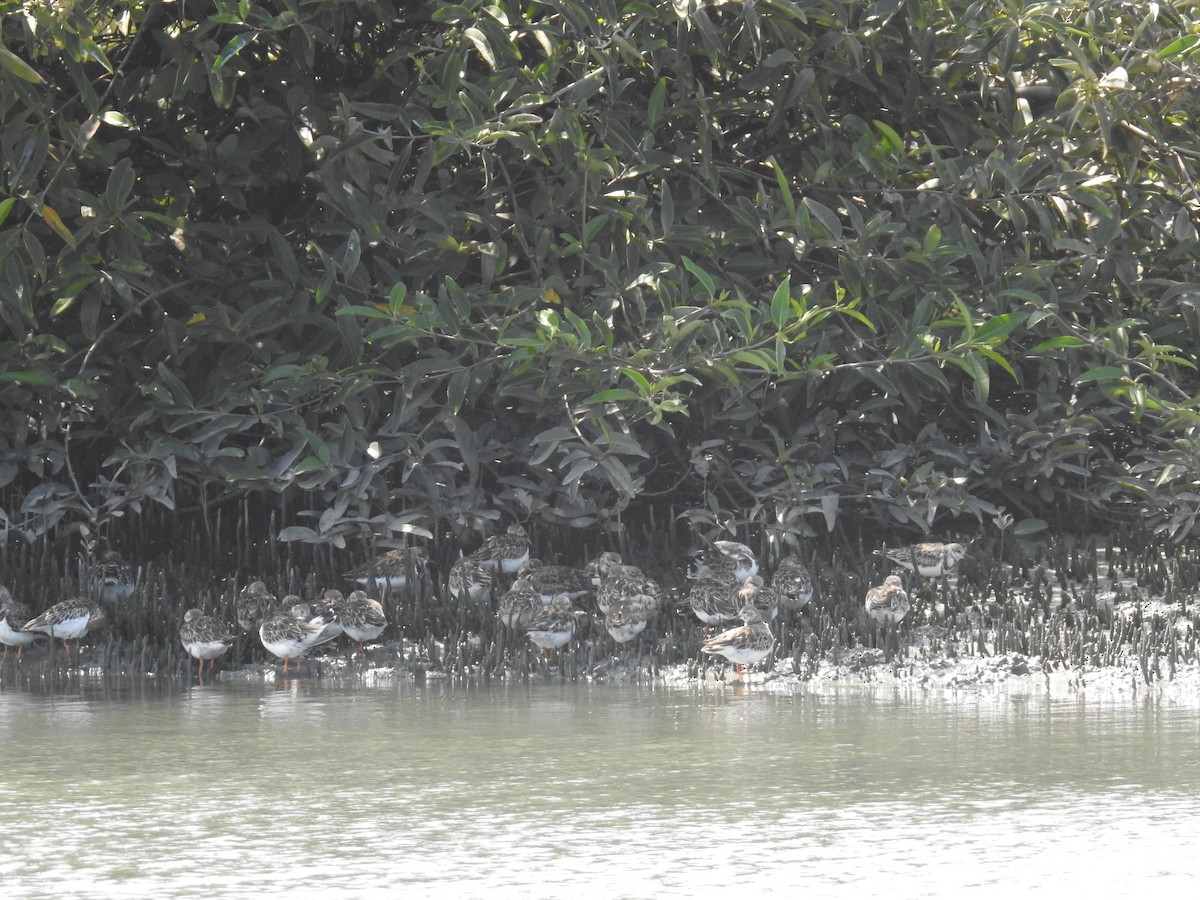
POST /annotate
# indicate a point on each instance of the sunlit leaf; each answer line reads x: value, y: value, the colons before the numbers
x: 232, y: 49
x: 10, y: 62
x: 52, y: 219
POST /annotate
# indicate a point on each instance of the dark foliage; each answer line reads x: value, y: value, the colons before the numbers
x: 403, y: 268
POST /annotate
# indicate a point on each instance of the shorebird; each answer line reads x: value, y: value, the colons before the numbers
x: 113, y: 578
x: 762, y: 597
x: 746, y: 645
x: 602, y: 565
x: 723, y: 558
x: 469, y: 579
x: 552, y: 625
x: 362, y: 618
x: 887, y: 603
x: 204, y: 637
x: 392, y: 570
x: 628, y: 617
x: 253, y: 604
x: 792, y: 583
x: 714, y: 599
x: 292, y: 633
x: 518, y: 604
x: 13, y: 616
x: 505, y: 552
x: 69, y: 620
x: 620, y: 582
x: 929, y: 560
x: 550, y: 581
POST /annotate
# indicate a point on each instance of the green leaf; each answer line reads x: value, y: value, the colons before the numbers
x: 997, y: 328
x: 28, y: 378
x: 232, y: 49
x: 1029, y: 526
x: 479, y: 39
x: 112, y: 117
x: 785, y: 188
x: 998, y: 360
x: 781, y: 303
x: 1103, y: 373
x: 1178, y: 46
x: 611, y: 396
x: 706, y: 280
x: 827, y: 217
x: 6, y: 206
x: 637, y: 378
x: 666, y: 207
x: 658, y: 96
x: 1059, y: 343
x: 10, y: 62
x: 893, y: 141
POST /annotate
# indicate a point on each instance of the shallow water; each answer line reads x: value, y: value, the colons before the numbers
x: 344, y: 788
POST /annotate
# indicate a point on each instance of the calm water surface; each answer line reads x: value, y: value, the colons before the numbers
x: 120, y: 789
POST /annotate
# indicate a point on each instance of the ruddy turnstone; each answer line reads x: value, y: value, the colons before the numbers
x: 69, y: 620
x: 552, y: 624
x: 552, y: 580
x: 518, y: 604
x: 323, y: 611
x: 621, y: 582
x: 928, y: 560
x: 723, y: 558
x: 754, y: 591
x: 253, y: 604
x: 13, y: 616
x: 469, y: 579
x: 887, y: 603
x: 792, y: 583
x: 747, y: 645
x: 393, y: 570
x: 602, y: 565
x: 505, y: 552
x: 289, y: 633
x: 627, y: 618
x: 204, y: 637
x: 714, y: 599
x: 362, y: 618
x: 114, y: 578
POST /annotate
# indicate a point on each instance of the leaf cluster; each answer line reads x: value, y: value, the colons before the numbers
x: 775, y: 265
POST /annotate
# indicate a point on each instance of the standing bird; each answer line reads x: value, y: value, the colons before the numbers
x: 792, y: 583
x: 204, y: 637
x: 322, y: 612
x: 253, y: 604
x: 628, y: 617
x: 747, y: 645
x: 505, y: 552
x: 13, y: 616
x: 602, y: 565
x: 394, y: 570
x: 619, y: 583
x: 552, y: 580
x: 714, y: 599
x: 518, y: 605
x: 362, y: 618
x: 292, y: 633
x: 927, y: 560
x: 69, y: 620
x: 887, y: 603
x: 722, y: 558
x: 469, y: 579
x: 754, y: 591
x: 553, y: 624
x: 113, y: 578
